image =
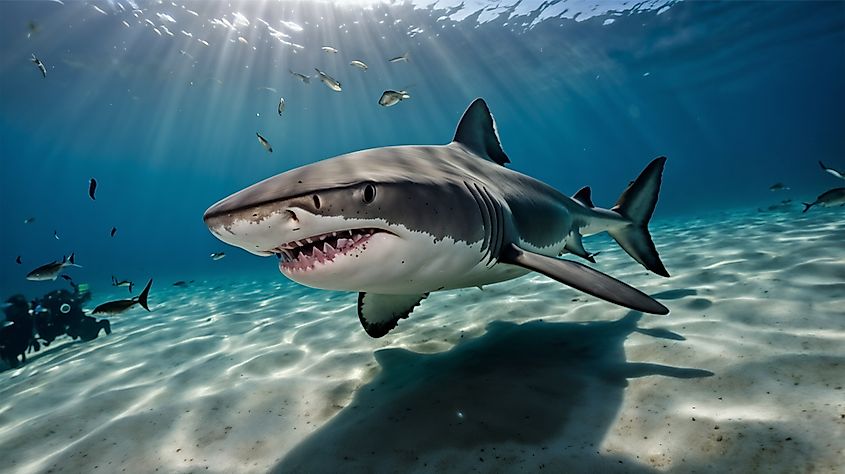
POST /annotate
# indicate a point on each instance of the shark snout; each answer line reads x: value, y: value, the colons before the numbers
x: 256, y: 229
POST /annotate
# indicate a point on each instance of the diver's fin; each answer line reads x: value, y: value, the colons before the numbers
x: 575, y: 246
x: 379, y: 314
x: 142, y: 298
x: 584, y: 196
x: 477, y: 132
x: 584, y: 278
x: 637, y: 205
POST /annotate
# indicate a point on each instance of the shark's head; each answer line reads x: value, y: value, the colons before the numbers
x: 373, y: 220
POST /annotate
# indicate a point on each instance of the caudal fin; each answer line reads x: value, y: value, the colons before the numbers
x: 142, y: 298
x: 807, y: 206
x: 71, y: 262
x: 637, y: 205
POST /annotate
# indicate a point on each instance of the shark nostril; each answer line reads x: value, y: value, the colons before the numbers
x: 291, y: 215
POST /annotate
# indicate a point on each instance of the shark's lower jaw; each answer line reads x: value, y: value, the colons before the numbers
x: 314, y: 253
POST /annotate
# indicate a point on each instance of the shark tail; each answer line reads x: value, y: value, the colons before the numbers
x: 142, y: 298
x: 807, y: 206
x: 637, y: 205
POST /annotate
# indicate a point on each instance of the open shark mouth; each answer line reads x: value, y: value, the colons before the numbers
x: 322, y: 249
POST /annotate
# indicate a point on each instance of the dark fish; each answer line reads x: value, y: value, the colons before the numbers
x: 51, y: 270
x: 92, y: 187
x: 281, y: 105
x: 182, y: 283
x: 833, y: 197
x: 119, y: 306
x: 18, y: 260
x: 29, y: 220
x: 39, y: 64
x: 56, y: 234
x: 778, y: 187
x: 113, y: 231
x: 71, y: 283
x: 218, y: 255
x: 263, y: 141
x: 832, y: 171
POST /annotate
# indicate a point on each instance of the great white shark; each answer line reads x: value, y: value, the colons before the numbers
x: 397, y: 223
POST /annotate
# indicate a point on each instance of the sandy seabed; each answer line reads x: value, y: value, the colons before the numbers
x: 745, y: 374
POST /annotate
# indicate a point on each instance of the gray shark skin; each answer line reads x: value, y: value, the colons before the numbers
x: 397, y: 223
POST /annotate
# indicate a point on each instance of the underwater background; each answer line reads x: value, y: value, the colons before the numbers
x: 244, y: 371
x: 738, y: 96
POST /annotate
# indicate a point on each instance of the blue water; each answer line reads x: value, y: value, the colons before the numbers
x: 738, y: 95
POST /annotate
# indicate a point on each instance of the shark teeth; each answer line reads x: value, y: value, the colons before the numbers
x: 305, y: 253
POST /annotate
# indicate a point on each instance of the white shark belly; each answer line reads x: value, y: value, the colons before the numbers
x: 438, y: 265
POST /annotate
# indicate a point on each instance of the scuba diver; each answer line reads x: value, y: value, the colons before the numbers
x: 60, y: 312
x: 18, y: 337
x: 43, y: 320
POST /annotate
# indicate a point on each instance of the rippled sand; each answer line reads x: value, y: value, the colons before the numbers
x: 746, y: 373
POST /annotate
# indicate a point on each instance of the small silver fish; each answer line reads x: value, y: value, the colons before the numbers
x: 329, y: 49
x: 40, y: 65
x: 329, y: 81
x: 218, y: 255
x: 831, y: 198
x: 263, y: 141
x: 281, y: 105
x: 832, y: 171
x: 399, y: 59
x: 390, y: 98
x: 302, y: 77
x: 359, y: 64
x: 52, y: 270
x: 29, y: 220
x: 126, y: 283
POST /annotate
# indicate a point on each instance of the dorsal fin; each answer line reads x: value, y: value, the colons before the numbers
x: 477, y: 131
x: 584, y: 196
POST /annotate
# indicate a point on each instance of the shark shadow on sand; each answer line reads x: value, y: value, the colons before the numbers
x: 542, y: 388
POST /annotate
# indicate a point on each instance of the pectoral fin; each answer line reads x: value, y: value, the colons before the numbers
x: 379, y: 314
x: 583, y: 278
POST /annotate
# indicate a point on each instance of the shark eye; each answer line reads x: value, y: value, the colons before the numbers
x: 369, y: 193
x: 316, y: 201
